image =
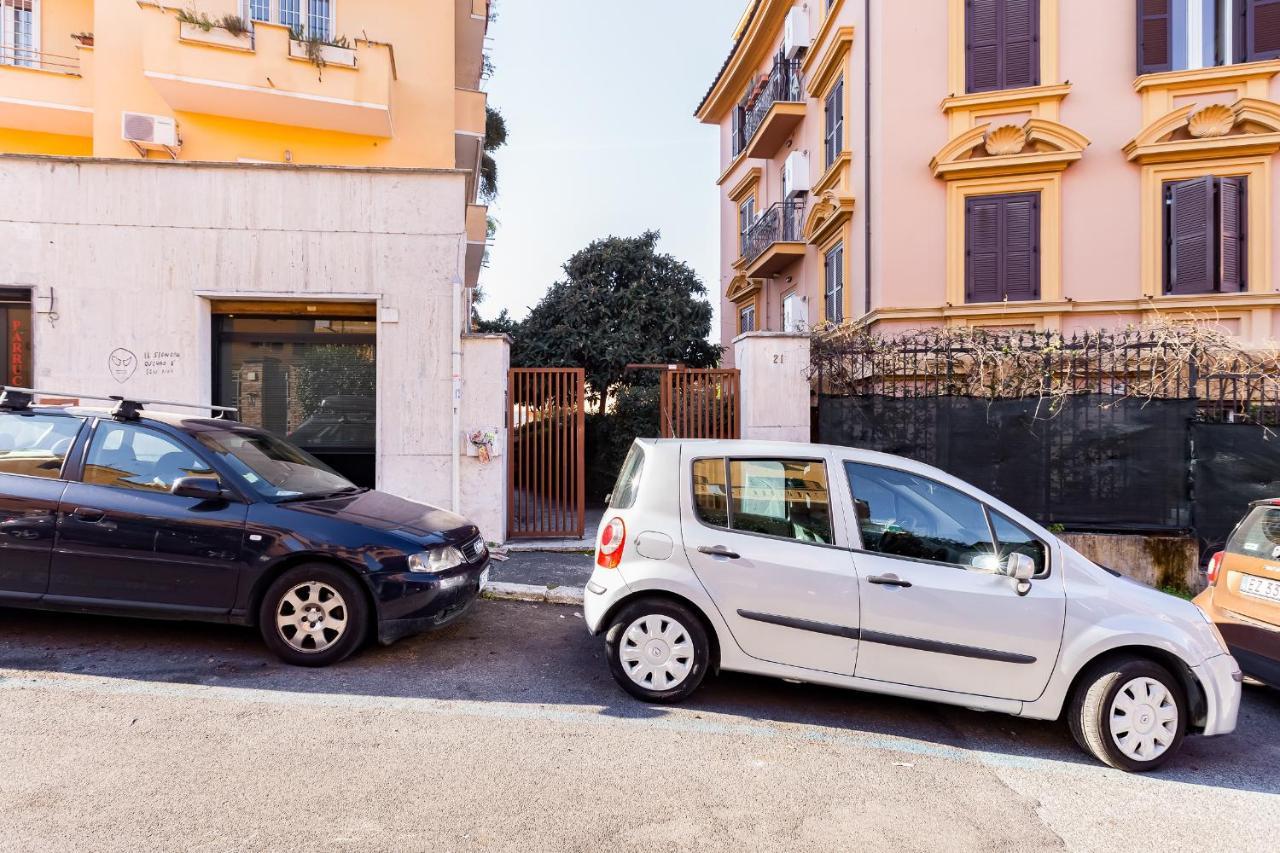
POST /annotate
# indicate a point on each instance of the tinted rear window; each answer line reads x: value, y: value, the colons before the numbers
x: 36, y: 445
x: 1258, y: 535
x: 627, y: 487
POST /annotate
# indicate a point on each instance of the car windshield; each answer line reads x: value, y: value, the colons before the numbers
x: 272, y: 467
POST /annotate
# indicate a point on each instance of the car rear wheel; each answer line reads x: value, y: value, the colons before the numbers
x: 1129, y: 713
x: 658, y: 650
x: 313, y: 615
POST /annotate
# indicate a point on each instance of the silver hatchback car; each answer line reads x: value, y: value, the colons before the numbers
x: 856, y: 569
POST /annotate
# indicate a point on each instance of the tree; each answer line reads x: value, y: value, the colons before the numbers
x: 621, y: 302
x: 495, y: 136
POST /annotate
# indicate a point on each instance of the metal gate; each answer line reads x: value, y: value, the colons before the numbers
x: 700, y: 403
x: 546, y: 478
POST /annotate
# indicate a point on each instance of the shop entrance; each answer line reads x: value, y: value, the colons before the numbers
x: 305, y: 371
x: 15, y: 316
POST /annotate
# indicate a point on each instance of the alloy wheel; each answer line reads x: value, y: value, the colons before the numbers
x: 656, y: 652
x: 311, y: 616
x: 1144, y: 719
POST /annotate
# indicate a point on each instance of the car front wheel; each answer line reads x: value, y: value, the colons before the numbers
x: 313, y: 615
x: 658, y: 650
x: 1129, y: 713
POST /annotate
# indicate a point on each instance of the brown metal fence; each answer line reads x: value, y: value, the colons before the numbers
x: 546, y: 491
x: 700, y: 403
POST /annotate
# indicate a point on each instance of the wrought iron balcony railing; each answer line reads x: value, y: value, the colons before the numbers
x: 782, y: 222
x: 24, y: 57
x: 784, y: 83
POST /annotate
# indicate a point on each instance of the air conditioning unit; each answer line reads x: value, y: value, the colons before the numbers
x: 795, y: 174
x: 148, y: 131
x: 795, y: 32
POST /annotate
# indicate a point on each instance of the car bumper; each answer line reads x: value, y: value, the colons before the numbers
x: 412, y: 602
x: 1255, y: 645
x: 1220, y: 678
x: 605, y: 589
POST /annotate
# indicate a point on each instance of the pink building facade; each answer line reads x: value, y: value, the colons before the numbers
x: 1030, y: 164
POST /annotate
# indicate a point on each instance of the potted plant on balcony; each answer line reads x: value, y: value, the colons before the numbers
x: 228, y: 31
x: 320, y: 51
x: 83, y: 39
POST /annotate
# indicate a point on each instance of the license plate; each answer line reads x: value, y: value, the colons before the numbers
x: 1260, y: 588
x: 484, y: 579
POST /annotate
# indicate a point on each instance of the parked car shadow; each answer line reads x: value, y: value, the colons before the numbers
x: 509, y: 656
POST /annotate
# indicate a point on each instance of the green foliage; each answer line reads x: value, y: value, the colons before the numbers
x: 196, y: 19
x: 609, y: 436
x: 500, y: 324
x: 621, y: 302
x: 325, y: 371
x: 495, y: 136
x: 235, y: 25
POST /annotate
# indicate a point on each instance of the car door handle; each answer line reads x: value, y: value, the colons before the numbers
x: 718, y: 551
x: 88, y: 515
x: 889, y: 580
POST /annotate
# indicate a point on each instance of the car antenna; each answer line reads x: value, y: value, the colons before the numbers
x: 124, y: 408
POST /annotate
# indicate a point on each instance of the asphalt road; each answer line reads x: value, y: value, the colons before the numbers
x: 506, y: 732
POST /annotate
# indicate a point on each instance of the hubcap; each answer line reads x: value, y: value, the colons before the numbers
x: 311, y: 617
x: 656, y: 652
x: 1144, y: 719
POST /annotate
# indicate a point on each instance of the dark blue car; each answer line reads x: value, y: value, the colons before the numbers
x: 139, y: 513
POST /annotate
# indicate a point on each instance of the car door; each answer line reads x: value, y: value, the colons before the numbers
x: 760, y: 536
x: 935, y: 610
x: 123, y: 538
x: 33, y: 451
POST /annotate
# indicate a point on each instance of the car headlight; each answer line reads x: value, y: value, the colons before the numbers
x: 1217, y: 632
x: 437, y: 560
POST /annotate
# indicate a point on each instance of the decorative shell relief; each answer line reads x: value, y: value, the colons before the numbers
x: 1008, y: 139
x: 1213, y: 120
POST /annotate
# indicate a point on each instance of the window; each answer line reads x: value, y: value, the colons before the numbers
x: 1204, y: 235
x: 627, y: 487
x: 36, y: 445
x: 259, y: 10
x: 133, y: 457
x: 904, y: 515
x: 1002, y: 247
x: 833, y: 283
x: 309, y: 17
x: 1258, y: 535
x: 1002, y: 44
x: 746, y: 218
x: 1179, y: 35
x: 793, y: 314
x: 747, y: 319
x: 19, y: 32
x: 782, y: 498
x: 833, y: 138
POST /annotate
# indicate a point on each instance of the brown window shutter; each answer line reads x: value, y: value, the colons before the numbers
x: 1191, y: 237
x: 1020, y: 36
x: 982, y: 249
x: 982, y: 45
x: 1021, y: 264
x: 1262, y: 29
x: 1155, y: 36
x: 1231, y: 235
x: 1002, y: 247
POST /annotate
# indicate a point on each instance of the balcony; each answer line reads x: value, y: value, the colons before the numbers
x: 775, y: 241
x: 772, y: 110
x: 44, y: 93
x: 477, y: 241
x: 266, y: 76
x: 468, y: 133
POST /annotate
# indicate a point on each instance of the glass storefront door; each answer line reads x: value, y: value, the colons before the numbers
x: 310, y: 379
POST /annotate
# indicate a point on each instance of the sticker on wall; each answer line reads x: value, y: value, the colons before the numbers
x: 122, y: 363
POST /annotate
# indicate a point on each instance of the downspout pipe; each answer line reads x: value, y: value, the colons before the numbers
x: 866, y: 153
x: 456, y: 369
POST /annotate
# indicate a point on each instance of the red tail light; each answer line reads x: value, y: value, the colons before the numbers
x: 1215, y: 564
x: 612, y: 539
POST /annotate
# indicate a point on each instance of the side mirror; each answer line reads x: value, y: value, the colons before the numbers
x: 1020, y: 567
x: 199, y: 488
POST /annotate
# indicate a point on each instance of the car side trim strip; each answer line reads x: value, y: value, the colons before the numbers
x: 801, y: 624
x: 883, y: 639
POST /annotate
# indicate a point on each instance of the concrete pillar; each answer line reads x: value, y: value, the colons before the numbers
x: 485, y: 361
x: 775, y: 385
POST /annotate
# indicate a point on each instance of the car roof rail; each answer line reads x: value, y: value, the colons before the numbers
x: 124, y: 408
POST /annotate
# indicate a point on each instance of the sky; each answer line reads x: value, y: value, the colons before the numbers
x: 599, y: 100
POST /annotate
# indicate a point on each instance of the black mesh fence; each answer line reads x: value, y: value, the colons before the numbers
x: 1234, y: 465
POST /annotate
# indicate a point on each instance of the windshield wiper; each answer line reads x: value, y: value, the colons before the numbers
x: 319, y: 496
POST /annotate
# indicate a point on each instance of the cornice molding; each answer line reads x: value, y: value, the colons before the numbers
x: 1048, y: 147
x: 1188, y: 134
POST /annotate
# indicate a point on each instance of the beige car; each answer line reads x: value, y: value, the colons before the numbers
x: 1243, y: 598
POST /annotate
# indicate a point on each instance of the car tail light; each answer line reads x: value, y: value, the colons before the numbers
x: 1215, y: 564
x: 612, y: 539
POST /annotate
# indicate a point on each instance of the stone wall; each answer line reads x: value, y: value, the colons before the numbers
x: 1164, y: 562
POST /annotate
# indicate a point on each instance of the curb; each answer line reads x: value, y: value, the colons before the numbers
x: 529, y: 592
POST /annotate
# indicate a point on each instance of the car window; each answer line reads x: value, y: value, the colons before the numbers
x: 36, y: 445
x: 783, y: 498
x: 903, y: 515
x: 1013, y: 539
x: 133, y: 457
x: 627, y: 488
x: 1258, y: 535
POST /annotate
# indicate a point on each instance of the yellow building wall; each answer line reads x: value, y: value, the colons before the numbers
x: 416, y: 37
